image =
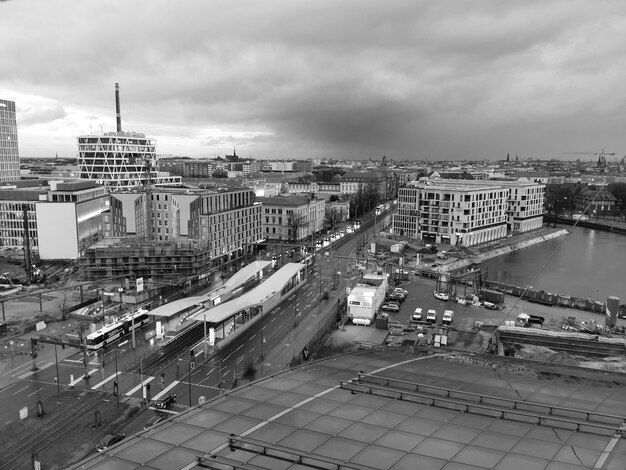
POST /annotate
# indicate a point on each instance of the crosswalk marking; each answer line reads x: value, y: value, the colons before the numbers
x: 166, y: 389
x: 146, y: 380
x: 108, y: 379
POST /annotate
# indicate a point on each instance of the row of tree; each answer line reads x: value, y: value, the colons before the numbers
x: 561, y: 199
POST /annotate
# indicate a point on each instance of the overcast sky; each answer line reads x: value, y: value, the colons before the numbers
x: 439, y: 80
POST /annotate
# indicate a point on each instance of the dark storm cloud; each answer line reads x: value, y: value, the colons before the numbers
x: 407, y: 78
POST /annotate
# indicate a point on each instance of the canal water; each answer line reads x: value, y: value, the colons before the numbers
x: 586, y: 264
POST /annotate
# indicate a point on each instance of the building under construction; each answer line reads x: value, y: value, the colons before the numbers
x: 182, y: 259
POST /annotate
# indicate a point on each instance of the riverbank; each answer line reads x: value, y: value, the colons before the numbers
x: 476, y: 255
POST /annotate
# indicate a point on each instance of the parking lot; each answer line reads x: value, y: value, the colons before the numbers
x: 421, y: 294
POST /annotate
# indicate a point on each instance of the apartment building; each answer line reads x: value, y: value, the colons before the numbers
x: 353, y: 182
x: 291, y: 218
x: 229, y: 221
x: 467, y: 212
x: 220, y: 228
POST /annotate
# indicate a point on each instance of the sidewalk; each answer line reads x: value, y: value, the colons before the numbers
x: 299, y: 337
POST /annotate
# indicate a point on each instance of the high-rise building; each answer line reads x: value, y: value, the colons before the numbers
x: 121, y: 159
x: 9, y: 154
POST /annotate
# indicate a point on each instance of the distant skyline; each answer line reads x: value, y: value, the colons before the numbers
x: 409, y: 79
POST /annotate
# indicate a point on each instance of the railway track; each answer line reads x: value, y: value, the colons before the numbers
x: 17, y: 453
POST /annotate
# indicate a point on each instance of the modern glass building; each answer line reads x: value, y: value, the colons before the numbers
x: 9, y: 154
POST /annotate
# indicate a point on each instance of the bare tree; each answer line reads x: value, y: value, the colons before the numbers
x: 294, y: 223
x: 333, y: 217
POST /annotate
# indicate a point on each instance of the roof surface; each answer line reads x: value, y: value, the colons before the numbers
x: 237, y: 280
x: 256, y: 296
x: 305, y: 413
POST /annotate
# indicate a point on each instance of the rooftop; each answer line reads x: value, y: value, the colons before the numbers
x: 391, y: 410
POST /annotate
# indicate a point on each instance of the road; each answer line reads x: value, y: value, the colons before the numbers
x: 60, y: 368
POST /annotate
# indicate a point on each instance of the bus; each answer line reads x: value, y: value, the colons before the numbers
x: 113, y: 331
x: 309, y: 261
x: 380, y: 209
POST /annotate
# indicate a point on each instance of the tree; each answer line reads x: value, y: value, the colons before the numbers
x: 294, y: 223
x: 333, y: 217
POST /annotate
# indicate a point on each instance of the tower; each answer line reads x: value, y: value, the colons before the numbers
x: 9, y: 154
x: 119, y: 159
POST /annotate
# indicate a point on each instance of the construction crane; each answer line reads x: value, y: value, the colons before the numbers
x: 601, y: 156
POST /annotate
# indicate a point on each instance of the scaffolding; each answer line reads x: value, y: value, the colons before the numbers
x: 175, y: 260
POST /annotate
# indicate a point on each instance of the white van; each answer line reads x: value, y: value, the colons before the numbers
x: 448, y: 317
x: 417, y: 315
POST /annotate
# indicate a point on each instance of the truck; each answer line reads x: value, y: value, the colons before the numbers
x: 526, y: 320
x: 366, y: 298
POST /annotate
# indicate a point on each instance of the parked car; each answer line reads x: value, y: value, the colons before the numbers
x: 442, y: 296
x: 417, y: 314
x: 448, y: 317
x: 108, y: 440
x: 390, y: 307
x: 166, y: 402
x: 398, y: 296
x: 401, y: 290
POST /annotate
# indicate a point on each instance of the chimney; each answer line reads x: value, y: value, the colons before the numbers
x: 118, y: 117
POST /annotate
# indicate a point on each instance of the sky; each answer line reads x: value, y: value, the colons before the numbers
x: 343, y: 79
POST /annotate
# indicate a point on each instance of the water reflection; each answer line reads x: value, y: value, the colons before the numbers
x: 588, y: 263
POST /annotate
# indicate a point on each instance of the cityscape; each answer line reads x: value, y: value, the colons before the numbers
x: 262, y: 270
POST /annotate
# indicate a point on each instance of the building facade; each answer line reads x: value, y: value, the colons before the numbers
x: 292, y: 218
x: 9, y: 152
x: 228, y: 221
x: 595, y: 202
x: 467, y: 212
x: 121, y: 160
x: 70, y: 219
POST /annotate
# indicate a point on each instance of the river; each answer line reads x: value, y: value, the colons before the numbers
x: 585, y: 263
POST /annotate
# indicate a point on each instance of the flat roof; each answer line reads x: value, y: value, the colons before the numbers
x: 256, y: 296
x: 306, y: 412
x: 237, y: 280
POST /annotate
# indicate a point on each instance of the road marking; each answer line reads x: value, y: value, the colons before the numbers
x: 21, y: 390
x: 252, y: 336
x: 240, y: 359
x: 166, y: 389
x: 272, y: 319
x: 32, y: 372
x: 89, y: 373
x: 16, y: 369
x: 98, y: 385
x: 36, y: 391
x: 122, y: 343
x: 146, y: 380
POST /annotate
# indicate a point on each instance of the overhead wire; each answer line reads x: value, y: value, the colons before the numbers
x: 543, y: 265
